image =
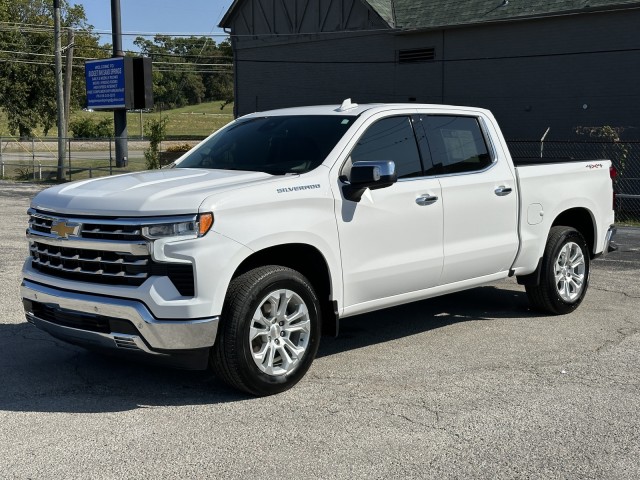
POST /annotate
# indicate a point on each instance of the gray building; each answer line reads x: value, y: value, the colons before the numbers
x: 534, y: 63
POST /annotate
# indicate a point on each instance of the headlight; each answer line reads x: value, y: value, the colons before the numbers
x: 188, y: 228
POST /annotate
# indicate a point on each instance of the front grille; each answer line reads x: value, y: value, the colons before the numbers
x: 112, y: 232
x: 102, y: 263
x: 87, y: 263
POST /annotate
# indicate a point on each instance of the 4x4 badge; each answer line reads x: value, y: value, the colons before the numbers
x: 63, y: 230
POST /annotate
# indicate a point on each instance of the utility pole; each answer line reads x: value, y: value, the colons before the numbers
x: 119, y: 115
x: 68, y: 77
x: 59, y: 88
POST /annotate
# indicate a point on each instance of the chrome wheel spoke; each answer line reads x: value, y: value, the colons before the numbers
x: 280, y: 332
x: 295, y: 350
x: 569, y: 270
x: 559, y: 277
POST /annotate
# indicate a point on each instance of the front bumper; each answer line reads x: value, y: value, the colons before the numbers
x: 118, y: 325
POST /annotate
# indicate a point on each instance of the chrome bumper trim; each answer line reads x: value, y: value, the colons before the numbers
x: 157, y: 334
x: 95, y: 339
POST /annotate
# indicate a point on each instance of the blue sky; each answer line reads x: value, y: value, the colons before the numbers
x: 157, y: 16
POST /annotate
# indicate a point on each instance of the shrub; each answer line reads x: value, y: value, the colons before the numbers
x: 88, y: 128
x: 183, y: 147
x: 156, y: 131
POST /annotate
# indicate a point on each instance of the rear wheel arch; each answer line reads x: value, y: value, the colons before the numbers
x: 583, y: 221
x: 563, y: 273
x: 580, y: 219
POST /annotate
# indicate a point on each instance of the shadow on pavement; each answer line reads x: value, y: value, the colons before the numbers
x: 42, y: 374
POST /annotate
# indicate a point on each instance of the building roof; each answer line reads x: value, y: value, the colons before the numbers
x: 427, y: 14
x: 433, y: 14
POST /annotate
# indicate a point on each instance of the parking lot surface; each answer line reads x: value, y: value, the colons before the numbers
x: 470, y: 385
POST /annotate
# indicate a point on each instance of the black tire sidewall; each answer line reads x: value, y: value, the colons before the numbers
x: 258, y: 381
x: 569, y: 235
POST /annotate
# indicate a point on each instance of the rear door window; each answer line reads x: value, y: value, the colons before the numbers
x: 456, y: 143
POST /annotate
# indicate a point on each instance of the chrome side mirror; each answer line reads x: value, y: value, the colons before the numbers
x: 372, y: 174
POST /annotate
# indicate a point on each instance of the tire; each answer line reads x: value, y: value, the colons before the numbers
x: 269, y: 331
x: 564, y: 276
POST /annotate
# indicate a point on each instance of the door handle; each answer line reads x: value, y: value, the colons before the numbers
x: 502, y: 190
x: 426, y: 199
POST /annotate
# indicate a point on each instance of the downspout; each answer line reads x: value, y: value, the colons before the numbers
x: 234, y: 59
x: 442, y: 70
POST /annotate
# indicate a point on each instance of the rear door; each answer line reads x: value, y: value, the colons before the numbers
x: 479, y: 195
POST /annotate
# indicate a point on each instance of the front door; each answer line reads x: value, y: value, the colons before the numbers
x: 391, y: 241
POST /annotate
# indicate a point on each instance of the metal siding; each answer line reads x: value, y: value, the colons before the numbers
x: 529, y: 81
x: 502, y: 67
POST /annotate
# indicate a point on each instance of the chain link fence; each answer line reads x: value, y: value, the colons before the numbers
x: 36, y: 160
x: 624, y: 155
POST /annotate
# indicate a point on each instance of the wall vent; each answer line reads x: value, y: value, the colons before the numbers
x: 416, y: 55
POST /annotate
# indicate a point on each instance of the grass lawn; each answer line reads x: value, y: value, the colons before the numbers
x: 194, y: 121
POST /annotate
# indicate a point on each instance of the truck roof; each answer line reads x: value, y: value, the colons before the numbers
x: 353, y: 109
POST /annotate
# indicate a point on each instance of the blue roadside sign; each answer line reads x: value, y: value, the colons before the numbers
x: 106, y: 84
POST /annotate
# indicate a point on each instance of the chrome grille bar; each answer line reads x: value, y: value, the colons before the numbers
x: 133, y: 248
x: 37, y: 250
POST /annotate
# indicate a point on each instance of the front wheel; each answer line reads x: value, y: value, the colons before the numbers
x: 565, y: 273
x: 269, y: 331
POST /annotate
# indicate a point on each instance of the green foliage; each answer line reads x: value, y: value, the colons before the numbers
x: 183, y: 147
x: 189, y: 80
x: 27, y: 80
x: 84, y: 127
x: 23, y: 174
x: 613, y: 147
x: 155, y: 131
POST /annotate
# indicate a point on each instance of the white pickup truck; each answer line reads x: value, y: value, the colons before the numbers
x: 245, y: 251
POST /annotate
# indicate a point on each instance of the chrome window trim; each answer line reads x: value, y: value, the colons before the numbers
x: 493, y: 153
x: 446, y: 175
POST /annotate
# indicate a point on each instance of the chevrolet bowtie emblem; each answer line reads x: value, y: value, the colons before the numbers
x: 63, y: 229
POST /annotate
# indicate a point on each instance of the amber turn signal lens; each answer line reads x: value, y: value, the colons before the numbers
x: 205, y: 223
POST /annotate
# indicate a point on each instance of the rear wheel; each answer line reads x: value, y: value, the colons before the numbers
x: 269, y: 331
x: 565, y: 273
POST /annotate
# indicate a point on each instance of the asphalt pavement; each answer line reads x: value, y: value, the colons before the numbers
x: 470, y: 385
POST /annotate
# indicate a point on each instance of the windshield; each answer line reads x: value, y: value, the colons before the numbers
x: 275, y: 145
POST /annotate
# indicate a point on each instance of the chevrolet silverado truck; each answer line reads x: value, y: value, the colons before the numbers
x: 249, y: 248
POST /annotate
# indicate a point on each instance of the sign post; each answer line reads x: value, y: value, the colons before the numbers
x: 120, y: 114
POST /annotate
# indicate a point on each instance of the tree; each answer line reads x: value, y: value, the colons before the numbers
x: 188, y: 71
x: 27, y: 75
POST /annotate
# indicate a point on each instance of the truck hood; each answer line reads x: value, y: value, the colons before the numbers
x: 160, y: 192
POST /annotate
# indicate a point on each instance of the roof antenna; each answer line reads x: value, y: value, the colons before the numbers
x: 346, y: 105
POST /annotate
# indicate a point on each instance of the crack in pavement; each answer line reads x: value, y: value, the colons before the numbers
x: 615, y: 291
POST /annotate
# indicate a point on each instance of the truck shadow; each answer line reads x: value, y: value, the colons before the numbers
x: 482, y: 303
x: 42, y: 374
